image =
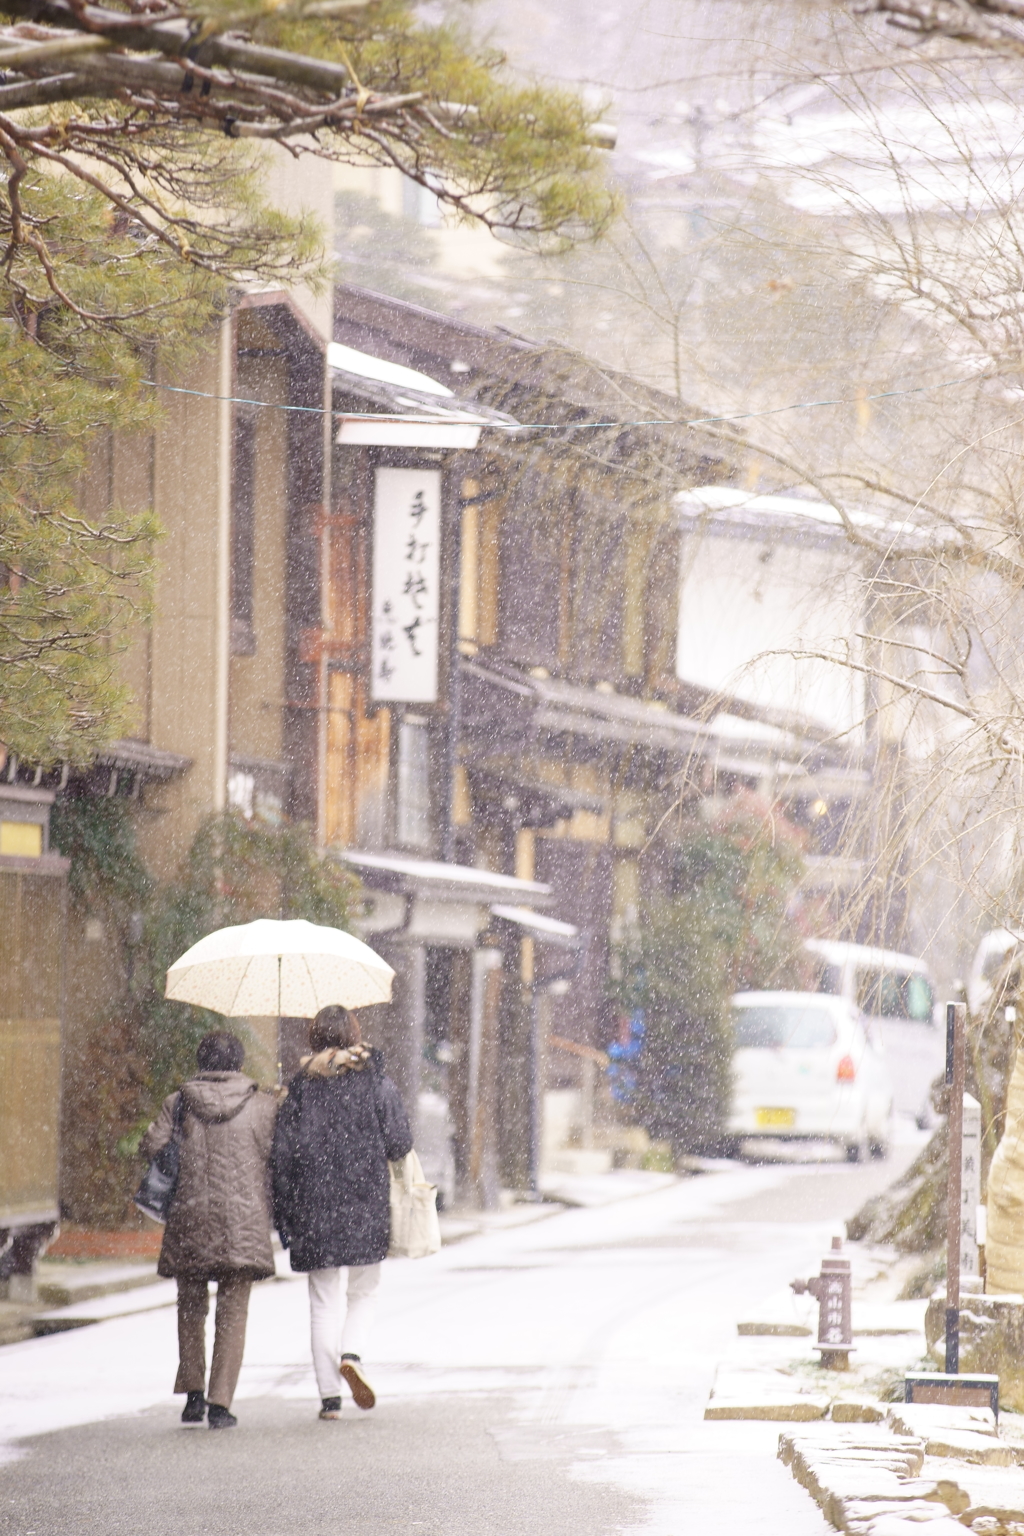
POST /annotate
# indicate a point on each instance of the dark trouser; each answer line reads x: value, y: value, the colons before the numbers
x: 229, y: 1336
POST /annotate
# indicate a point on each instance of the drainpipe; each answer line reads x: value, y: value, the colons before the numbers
x: 326, y: 499
x: 454, y: 713
x: 222, y: 616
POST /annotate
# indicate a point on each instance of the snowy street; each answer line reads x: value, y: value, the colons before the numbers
x: 549, y: 1376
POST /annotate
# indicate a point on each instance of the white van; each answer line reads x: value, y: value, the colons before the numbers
x: 895, y: 995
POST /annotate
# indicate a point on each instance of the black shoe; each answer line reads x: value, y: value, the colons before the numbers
x: 352, y: 1375
x: 330, y: 1408
x: 194, y: 1411
x: 220, y: 1418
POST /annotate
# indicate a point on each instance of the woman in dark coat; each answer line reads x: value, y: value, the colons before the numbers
x: 340, y: 1125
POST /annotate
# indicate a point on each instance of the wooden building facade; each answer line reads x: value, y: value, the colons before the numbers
x: 409, y: 594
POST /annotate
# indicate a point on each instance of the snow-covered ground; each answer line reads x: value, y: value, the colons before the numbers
x: 585, y: 1342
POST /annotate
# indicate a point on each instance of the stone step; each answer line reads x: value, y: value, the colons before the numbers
x: 101, y: 1309
x: 63, y: 1284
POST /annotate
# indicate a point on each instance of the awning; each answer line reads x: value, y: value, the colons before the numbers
x: 408, y: 432
x: 380, y: 404
x: 403, y: 875
x: 547, y: 706
x: 140, y: 758
x: 601, y: 714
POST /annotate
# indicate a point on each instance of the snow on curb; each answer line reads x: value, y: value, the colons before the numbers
x: 868, y: 1481
x: 944, y: 1467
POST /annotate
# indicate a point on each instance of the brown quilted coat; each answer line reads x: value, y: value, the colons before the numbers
x: 219, y: 1222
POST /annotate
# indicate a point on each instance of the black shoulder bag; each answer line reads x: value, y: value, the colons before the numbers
x: 160, y: 1180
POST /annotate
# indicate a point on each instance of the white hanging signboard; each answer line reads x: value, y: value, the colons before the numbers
x: 406, y: 584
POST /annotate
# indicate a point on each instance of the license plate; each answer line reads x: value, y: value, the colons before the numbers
x: 774, y: 1119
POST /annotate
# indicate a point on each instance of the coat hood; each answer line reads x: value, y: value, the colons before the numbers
x: 216, y: 1096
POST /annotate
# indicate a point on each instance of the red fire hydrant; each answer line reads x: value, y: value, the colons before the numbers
x: 832, y: 1290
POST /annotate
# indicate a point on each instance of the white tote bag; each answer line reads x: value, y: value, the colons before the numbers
x: 415, y: 1230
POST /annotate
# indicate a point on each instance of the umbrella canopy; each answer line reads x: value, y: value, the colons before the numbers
x: 291, y: 969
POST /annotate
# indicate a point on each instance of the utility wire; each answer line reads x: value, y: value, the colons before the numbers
x: 558, y: 426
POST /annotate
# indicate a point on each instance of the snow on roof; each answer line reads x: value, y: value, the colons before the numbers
x: 477, y: 883
x: 525, y: 917
x: 732, y: 504
x: 350, y: 360
x: 733, y: 728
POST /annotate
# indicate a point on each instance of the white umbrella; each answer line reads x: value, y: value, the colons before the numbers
x: 291, y: 969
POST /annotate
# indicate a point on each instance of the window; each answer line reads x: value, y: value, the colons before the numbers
x: 770, y: 1028
x: 894, y: 994
x: 919, y: 999
x: 22, y: 839
x: 413, y: 819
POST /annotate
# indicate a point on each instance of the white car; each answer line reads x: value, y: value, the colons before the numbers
x: 806, y: 1067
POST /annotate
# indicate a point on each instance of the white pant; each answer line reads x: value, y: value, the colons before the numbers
x: 330, y: 1337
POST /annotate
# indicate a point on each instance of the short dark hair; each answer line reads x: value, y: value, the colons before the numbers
x: 334, y: 1027
x: 220, y: 1051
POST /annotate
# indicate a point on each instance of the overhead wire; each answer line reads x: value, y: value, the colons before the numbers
x: 562, y: 426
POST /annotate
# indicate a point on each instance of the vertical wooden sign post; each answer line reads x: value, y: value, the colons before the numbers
x: 956, y: 1028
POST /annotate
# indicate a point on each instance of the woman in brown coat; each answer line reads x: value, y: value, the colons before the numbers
x: 218, y: 1227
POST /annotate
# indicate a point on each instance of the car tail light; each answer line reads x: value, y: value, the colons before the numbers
x: 846, y: 1072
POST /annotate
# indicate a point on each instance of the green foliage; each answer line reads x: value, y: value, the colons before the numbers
x: 123, y: 1063
x: 236, y: 871
x: 680, y: 982
x: 724, y: 927
x: 98, y: 836
x: 519, y: 156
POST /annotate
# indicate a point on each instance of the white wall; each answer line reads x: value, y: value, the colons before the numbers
x: 741, y: 596
x: 305, y: 185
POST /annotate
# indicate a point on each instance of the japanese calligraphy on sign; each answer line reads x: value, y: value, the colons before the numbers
x: 406, y: 584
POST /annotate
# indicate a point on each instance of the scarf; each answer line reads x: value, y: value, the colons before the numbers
x: 335, y: 1060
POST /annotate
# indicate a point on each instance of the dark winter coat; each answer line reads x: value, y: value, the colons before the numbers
x: 219, y: 1221
x: 341, y: 1123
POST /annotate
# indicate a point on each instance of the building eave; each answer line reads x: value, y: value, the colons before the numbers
x: 404, y: 874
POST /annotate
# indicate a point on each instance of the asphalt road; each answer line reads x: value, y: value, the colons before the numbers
x: 547, y: 1379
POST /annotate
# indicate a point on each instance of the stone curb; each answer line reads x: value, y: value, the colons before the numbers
x: 881, y: 1481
